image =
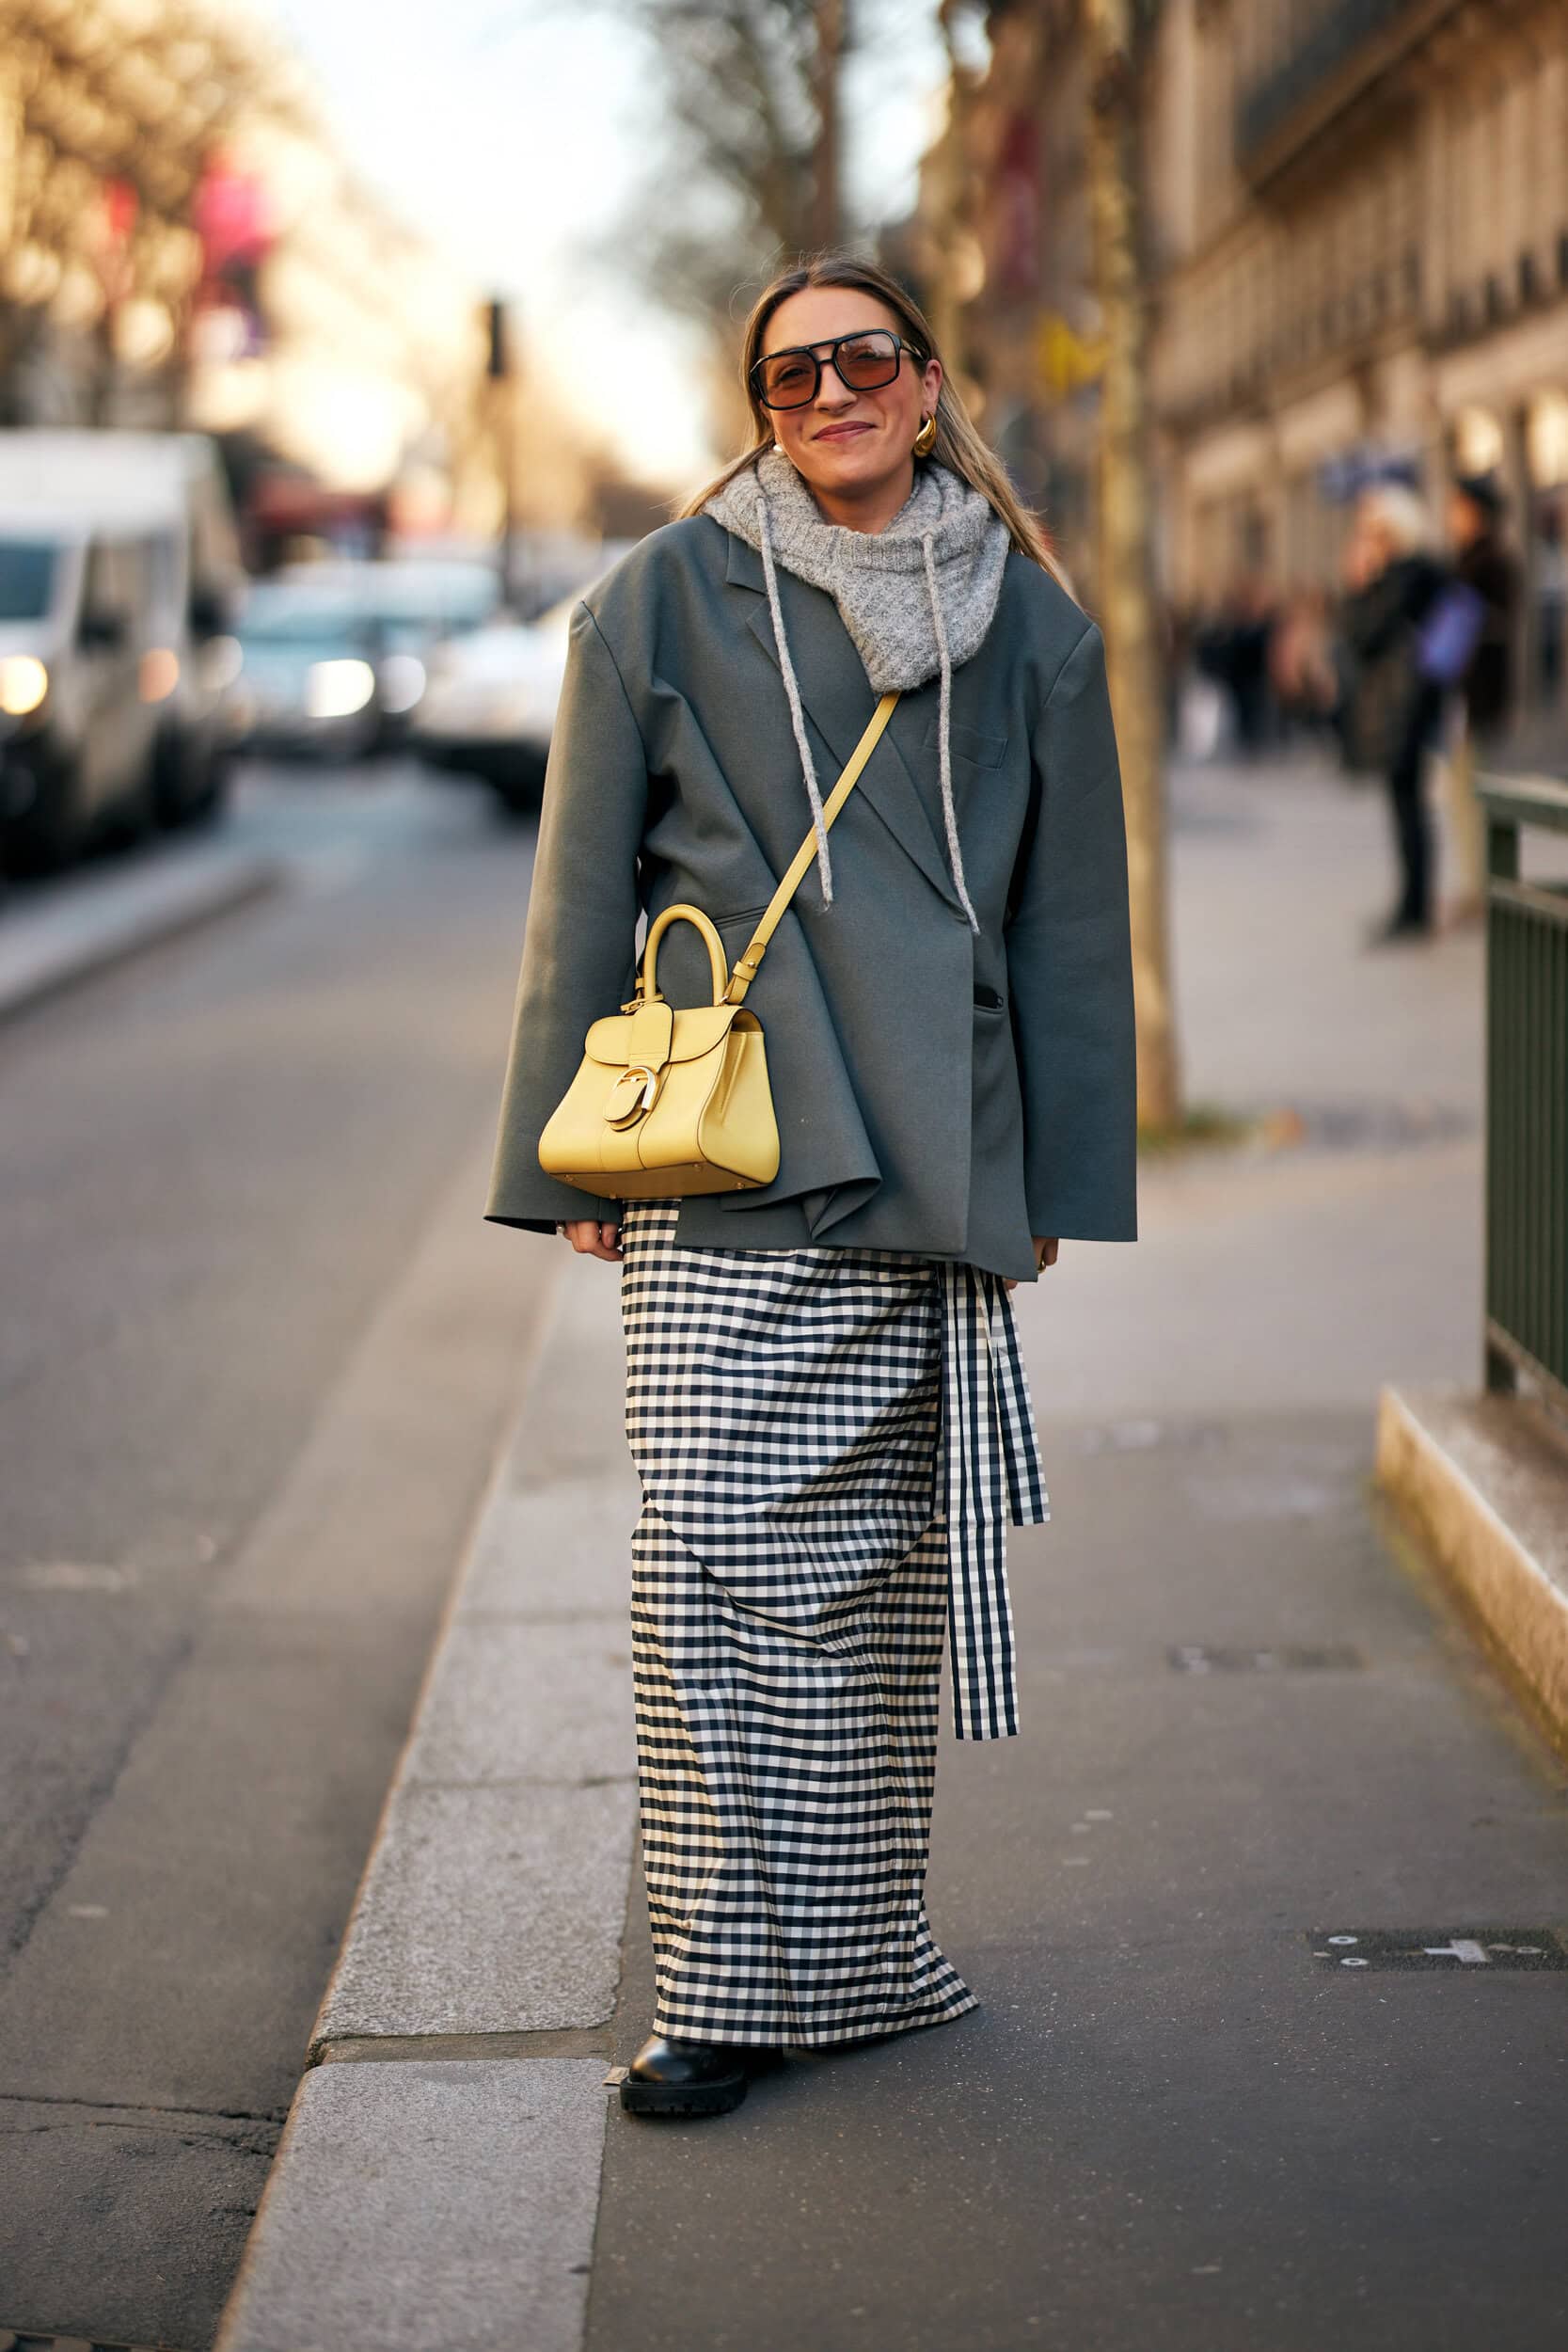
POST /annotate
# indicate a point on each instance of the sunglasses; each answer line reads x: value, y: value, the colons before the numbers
x: 863, y: 362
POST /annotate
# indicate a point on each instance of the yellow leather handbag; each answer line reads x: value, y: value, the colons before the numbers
x: 672, y: 1099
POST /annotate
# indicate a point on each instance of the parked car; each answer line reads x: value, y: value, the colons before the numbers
x: 307, y: 679
x: 119, y: 572
x: 490, y: 706
x: 408, y: 606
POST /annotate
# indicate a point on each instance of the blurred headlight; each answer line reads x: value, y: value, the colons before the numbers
x: 336, y: 690
x: 402, y: 683
x: 23, y: 683
x: 159, y: 673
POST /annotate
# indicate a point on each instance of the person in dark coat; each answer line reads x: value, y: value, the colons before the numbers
x: 1394, y: 581
x: 826, y: 1401
x: 1487, y: 567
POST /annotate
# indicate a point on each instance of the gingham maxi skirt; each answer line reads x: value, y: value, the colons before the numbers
x: 829, y: 1444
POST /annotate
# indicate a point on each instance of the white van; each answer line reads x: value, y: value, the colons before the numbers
x: 119, y: 576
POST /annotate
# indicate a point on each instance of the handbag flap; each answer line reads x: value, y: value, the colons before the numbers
x: 696, y: 1029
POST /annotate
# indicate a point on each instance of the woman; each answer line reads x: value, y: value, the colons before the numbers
x: 1483, y: 564
x: 825, y: 1399
x: 1394, y: 583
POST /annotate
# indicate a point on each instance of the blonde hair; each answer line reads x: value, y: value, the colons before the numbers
x: 958, y: 444
x: 1401, y: 513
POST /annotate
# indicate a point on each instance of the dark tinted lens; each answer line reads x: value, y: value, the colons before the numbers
x: 789, y: 380
x: 868, y: 361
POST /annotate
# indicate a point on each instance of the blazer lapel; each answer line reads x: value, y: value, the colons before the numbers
x: 838, y: 701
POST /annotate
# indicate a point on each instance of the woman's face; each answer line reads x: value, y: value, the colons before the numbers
x: 847, y: 442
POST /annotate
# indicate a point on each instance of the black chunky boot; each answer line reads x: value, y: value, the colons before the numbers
x: 682, y: 2078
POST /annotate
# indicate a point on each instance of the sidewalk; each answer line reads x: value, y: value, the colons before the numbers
x: 55, y: 934
x: 1260, y: 1907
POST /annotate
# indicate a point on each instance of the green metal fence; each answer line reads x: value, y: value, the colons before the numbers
x: 1527, y: 1095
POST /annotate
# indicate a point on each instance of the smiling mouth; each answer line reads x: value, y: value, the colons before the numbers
x: 838, y: 432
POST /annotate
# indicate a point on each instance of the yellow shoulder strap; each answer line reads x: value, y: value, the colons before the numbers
x: 745, y: 968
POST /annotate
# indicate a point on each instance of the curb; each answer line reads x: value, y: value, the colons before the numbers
x: 1487, y: 1491
x: 69, y: 930
x: 442, y: 2152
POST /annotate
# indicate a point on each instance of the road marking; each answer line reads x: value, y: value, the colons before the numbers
x: 1443, y: 1950
x: 1202, y: 1657
x: 76, y: 1576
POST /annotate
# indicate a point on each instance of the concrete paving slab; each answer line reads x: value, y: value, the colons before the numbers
x: 557, y: 1549
x: 60, y: 934
x: 491, y: 1901
x: 487, y: 1911
x: 574, y: 1422
x: 491, y: 1906
x: 418, y: 2204
x: 536, y: 1701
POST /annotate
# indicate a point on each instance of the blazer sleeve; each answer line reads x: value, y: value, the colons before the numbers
x: 1070, y: 968
x: 580, y: 944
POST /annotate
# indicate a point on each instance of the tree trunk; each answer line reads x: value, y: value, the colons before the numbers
x: 827, y: 196
x: 1128, y: 607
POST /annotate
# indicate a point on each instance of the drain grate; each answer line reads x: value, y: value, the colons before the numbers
x: 1454, y: 1951
x: 1206, y: 1657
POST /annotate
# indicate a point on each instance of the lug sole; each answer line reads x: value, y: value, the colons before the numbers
x: 640, y: 2097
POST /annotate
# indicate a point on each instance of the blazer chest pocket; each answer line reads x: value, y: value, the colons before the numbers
x: 989, y: 999
x: 984, y: 750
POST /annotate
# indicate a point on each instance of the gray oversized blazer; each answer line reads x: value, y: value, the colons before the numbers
x: 936, y: 1090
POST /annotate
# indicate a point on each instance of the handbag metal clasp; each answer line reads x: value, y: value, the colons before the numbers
x: 647, y: 1081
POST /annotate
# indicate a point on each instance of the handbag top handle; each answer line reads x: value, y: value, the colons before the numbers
x: 744, y: 970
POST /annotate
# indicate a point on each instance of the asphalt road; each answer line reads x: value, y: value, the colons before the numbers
x: 256, y: 1354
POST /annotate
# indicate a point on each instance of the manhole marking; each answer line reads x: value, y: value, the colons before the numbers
x: 1203, y: 1658
x: 1455, y: 1951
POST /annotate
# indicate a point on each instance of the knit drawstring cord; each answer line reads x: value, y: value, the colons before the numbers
x: 797, y: 716
x: 954, y: 856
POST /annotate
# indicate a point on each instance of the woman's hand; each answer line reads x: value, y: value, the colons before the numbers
x: 1046, y: 1246
x: 593, y: 1238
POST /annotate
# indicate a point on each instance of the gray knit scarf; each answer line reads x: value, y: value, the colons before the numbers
x: 916, y: 599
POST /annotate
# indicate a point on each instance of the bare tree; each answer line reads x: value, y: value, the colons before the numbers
x: 1113, y: 34
x: 88, y: 118
x: 750, y: 167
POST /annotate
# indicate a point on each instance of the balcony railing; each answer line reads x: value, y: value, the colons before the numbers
x: 1316, y: 76
x: 1527, y: 1095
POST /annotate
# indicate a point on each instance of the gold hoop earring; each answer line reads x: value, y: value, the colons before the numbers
x: 926, y: 440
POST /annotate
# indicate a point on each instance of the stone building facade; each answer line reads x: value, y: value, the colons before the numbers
x: 1358, y: 215
x: 1357, y: 240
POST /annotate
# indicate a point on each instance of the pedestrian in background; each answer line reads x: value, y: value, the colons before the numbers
x: 1485, y: 699
x: 825, y: 1401
x: 1250, y: 626
x: 1394, y: 582
x: 1301, y: 663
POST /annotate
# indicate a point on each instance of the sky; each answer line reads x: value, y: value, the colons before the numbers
x: 512, y: 133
